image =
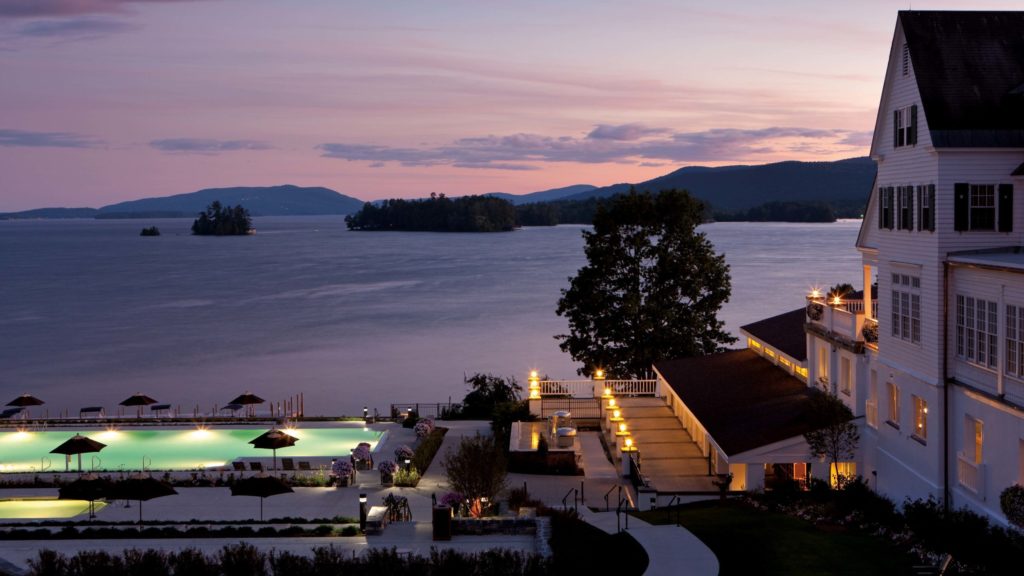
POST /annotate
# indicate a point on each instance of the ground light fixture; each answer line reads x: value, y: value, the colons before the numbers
x: 598, y: 374
x: 407, y: 464
x: 362, y: 512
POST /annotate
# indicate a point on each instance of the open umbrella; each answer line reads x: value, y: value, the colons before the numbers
x: 262, y: 485
x: 78, y: 444
x: 138, y: 399
x: 24, y: 401
x: 272, y: 440
x: 89, y: 487
x: 247, y: 399
x: 141, y: 487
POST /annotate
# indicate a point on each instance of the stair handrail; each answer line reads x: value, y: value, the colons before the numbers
x: 607, y: 505
x: 575, y: 492
x: 618, y: 514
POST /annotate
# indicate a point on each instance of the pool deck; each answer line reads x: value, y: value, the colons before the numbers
x: 666, y: 545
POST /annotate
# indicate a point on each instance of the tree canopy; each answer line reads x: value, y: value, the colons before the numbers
x: 436, y: 214
x: 651, y: 289
x: 222, y: 221
x: 836, y: 436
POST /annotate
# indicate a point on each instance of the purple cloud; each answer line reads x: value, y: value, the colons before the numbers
x: 28, y: 139
x: 623, y: 132
x: 74, y: 28
x: 622, y: 144
x: 206, y: 146
x: 35, y: 8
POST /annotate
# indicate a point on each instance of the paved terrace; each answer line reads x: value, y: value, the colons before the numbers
x: 667, y: 546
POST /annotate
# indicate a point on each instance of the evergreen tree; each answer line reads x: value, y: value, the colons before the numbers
x: 651, y: 289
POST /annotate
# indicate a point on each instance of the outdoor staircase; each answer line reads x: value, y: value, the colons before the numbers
x: 669, y: 457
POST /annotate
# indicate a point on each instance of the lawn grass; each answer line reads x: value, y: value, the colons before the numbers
x: 580, y: 548
x: 749, y: 541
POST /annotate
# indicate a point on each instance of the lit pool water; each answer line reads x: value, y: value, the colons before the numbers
x: 169, y: 449
x: 42, y: 508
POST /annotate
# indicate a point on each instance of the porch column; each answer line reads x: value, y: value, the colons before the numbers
x: 755, y: 476
x: 868, y: 297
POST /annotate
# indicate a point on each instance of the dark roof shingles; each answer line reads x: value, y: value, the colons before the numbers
x: 741, y: 399
x: 969, y: 68
x: 784, y: 332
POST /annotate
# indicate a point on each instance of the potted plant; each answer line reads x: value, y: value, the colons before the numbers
x: 387, y: 471
x: 343, y: 472
x: 361, y: 457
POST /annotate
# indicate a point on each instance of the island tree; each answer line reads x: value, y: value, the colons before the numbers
x: 651, y: 289
x: 220, y: 220
x: 477, y: 470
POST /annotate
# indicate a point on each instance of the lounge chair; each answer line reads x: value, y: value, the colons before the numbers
x: 287, y: 464
x: 305, y: 466
x: 256, y: 466
x: 238, y: 466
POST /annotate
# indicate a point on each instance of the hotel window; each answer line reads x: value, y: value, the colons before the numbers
x: 976, y: 332
x: 974, y: 439
x: 1015, y: 341
x: 904, y: 126
x: 886, y: 207
x: 920, y: 418
x: 894, y: 405
x: 845, y: 375
x: 905, y: 207
x: 926, y: 207
x: 872, y: 402
x: 982, y: 207
x: 906, y: 307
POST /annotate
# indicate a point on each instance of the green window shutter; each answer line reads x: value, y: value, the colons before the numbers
x: 912, y: 129
x: 961, y: 205
x: 931, y: 207
x: 1005, y: 207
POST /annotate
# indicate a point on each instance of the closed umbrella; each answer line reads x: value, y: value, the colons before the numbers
x: 78, y: 444
x: 141, y: 487
x: 89, y: 487
x: 272, y: 440
x: 138, y: 399
x: 261, y: 485
x: 247, y: 399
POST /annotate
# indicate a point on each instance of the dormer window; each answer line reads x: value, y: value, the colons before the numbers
x: 904, y: 124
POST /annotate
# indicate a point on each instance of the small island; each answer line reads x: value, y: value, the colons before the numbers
x: 436, y: 214
x: 220, y: 220
x: 151, y: 231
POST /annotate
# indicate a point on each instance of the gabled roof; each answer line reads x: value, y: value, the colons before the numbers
x: 784, y: 332
x: 741, y: 399
x: 970, y: 74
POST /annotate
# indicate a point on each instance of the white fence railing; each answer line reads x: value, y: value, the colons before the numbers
x: 969, y: 474
x: 593, y: 388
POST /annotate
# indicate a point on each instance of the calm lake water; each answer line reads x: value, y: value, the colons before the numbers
x: 90, y: 312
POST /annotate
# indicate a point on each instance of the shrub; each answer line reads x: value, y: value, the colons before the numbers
x: 402, y: 453
x: 407, y: 478
x: 194, y: 563
x: 242, y: 560
x: 427, y: 449
x: 350, y: 531
x: 289, y: 564
x: 477, y: 468
x: 387, y: 467
x: 1011, y: 502
x: 410, y: 420
x: 424, y: 427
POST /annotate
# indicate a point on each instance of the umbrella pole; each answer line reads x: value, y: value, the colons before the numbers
x: 79, y: 462
x: 140, y: 512
x: 261, y: 509
x: 275, y: 460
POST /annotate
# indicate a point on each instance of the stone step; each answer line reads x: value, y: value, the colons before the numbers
x: 646, y: 412
x: 655, y: 424
x: 665, y: 450
x: 674, y: 467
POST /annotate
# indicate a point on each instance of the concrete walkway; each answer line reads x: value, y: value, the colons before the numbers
x: 672, y: 550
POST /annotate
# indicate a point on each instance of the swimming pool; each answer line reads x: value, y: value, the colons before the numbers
x: 170, y: 449
x: 41, y: 508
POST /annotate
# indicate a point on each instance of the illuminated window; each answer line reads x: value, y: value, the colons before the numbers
x: 842, y: 471
x: 769, y: 352
x: 845, y: 375
x: 872, y: 402
x: 976, y: 333
x: 920, y: 418
x: 751, y: 343
x: 974, y: 439
x: 894, y: 405
x: 1015, y: 340
x: 785, y: 362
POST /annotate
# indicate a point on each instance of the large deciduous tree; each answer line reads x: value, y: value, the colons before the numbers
x: 476, y: 469
x: 651, y: 289
x: 836, y: 436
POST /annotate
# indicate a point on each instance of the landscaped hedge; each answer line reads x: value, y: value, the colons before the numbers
x: 154, y: 532
x: 247, y: 560
x: 427, y: 449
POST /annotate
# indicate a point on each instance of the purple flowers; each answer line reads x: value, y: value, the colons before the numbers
x: 403, y: 453
x: 342, y: 468
x: 361, y: 452
x: 452, y: 499
x: 387, y: 467
x: 424, y: 427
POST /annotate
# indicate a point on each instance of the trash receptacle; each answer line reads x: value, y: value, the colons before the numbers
x: 442, y: 523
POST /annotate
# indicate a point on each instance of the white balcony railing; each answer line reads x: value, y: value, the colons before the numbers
x: 592, y: 388
x: 969, y: 474
x: 845, y: 319
x: 632, y: 387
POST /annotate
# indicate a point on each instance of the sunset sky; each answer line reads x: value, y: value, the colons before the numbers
x: 110, y: 100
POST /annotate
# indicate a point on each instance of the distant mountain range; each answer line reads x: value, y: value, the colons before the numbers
x: 843, y: 184
x: 840, y: 183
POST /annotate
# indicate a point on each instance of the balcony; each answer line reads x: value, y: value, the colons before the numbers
x: 970, y: 475
x: 842, y: 321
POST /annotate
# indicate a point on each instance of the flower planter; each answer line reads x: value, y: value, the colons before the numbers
x: 387, y: 479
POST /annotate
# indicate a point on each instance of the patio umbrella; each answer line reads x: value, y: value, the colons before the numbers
x: 141, y: 487
x: 24, y: 401
x: 247, y: 399
x: 78, y: 444
x: 272, y: 440
x: 89, y: 487
x: 138, y: 399
x: 262, y: 485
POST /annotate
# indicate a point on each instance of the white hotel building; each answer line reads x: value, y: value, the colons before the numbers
x: 935, y: 365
